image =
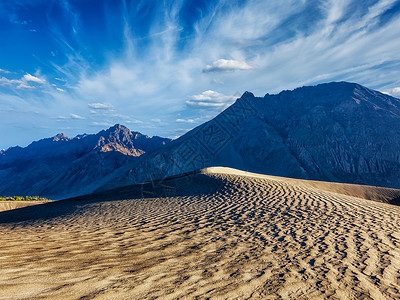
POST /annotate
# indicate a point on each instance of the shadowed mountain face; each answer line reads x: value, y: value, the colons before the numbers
x: 337, y: 131
x: 61, y: 166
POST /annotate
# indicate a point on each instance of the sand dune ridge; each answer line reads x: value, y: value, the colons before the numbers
x: 222, y: 235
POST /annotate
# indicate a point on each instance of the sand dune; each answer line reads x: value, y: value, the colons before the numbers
x: 380, y: 194
x: 7, y: 205
x: 218, y: 233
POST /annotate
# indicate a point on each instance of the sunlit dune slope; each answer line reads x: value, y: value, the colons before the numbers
x: 217, y: 233
x: 8, y: 205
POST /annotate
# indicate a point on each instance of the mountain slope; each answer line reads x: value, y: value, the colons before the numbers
x: 337, y: 131
x: 61, y: 166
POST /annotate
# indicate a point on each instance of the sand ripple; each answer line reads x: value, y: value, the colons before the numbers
x: 224, y: 236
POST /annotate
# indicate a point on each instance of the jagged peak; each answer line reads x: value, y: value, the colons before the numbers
x: 247, y: 95
x: 117, y: 128
x: 60, y: 137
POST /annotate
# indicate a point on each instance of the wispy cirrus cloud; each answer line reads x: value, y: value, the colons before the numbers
x: 71, y: 117
x: 101, y: 124
x: 190, y: 120
x: 210, y: 99
x: 226, y: 65
x: 16, y: 83
x: 101, y: 106
x: 185, y: 121
x: 29, y: 77
x: 76, y: 117
x: 395, y: 92
x: 23, y: 83
x: 139, y: 60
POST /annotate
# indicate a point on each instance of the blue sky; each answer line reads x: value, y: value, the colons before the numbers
x: 164, y: 67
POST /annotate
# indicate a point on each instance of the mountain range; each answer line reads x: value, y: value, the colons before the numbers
x: 60, y: 166
x: 338, y: 131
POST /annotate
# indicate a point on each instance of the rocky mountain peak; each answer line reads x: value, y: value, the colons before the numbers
x: 118, y: 138
x: 247, y: 95
x: 60, y: 137
x: 118, y: 128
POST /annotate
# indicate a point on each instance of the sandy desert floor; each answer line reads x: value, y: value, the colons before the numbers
x: 217, y: 234
x: 7, y: 205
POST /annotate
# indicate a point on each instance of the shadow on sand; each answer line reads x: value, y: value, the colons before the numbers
x: 188, y: 184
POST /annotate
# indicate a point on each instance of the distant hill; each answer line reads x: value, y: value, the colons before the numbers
x: 339, y: 131
x: 60, y: 166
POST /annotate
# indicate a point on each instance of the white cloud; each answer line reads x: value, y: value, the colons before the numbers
x: 6, y: 81
x: 224, y: 65
x: 101, y: 106
x: 106, y: 124
x: 133, y: 122
x: 185, y: 120
x: 76, y: 117
x: 23, y: 85
x: 17, y: 83
x: 28, y: 77
x: 204, y: 104
x: 210, y: 95
x: 395, y: 92
x: 70, y: 117
x: 121, y: 81
x: 210, y: 99
x: 217, y: 81
x: 4, y: 71
x: 60, y: 90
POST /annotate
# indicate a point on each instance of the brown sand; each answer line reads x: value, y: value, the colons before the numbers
x: 8, y: 205
x: 224, y: 235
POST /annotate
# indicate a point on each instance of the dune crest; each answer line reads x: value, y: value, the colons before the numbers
x: 379, y: 194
